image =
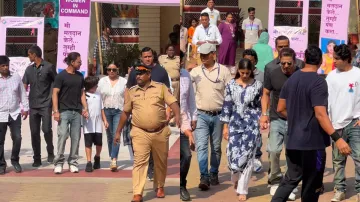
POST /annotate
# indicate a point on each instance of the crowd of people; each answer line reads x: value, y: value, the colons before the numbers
x: 267, y: 89
x: 135, y: 107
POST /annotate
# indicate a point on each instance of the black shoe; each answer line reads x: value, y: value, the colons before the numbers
x: 204, y: 184
x: 37, y: 163
x: 184, y: 194
x: 2, y: 171
x: 88, y: 167
x: 16, y: 166
x: 214, y: 179
x: 96, y: 162
x: 51, y: 158
x: 150, y: 176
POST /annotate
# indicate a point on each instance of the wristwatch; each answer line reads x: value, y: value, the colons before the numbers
x: 265, y: 114
x: 55, y: 111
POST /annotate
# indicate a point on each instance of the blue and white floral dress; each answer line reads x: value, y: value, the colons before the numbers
x: 241, y: 111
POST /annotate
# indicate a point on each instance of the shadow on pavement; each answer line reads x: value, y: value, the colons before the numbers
x: 169, y: 191
x: 197, y: 194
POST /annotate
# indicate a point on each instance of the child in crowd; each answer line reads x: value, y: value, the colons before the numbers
x: 93, y: 125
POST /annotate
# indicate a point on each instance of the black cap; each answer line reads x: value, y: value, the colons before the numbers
x: 4, y: 60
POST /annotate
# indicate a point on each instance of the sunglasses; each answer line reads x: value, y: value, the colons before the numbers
x: 283, y: 46
x: 141, y: 72
x: 111, y: 70
x: 288, y: 63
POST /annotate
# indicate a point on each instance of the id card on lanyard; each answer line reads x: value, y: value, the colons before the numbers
x: 218, y: 73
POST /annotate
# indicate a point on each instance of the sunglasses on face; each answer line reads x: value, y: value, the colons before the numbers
x: 283, y: 46
x: 111, y: 70
x: 141, y: 72
x: 288, y: 63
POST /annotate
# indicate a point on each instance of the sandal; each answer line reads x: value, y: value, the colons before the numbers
x: 242, y: 197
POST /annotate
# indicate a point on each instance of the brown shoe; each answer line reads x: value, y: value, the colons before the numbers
x: 160, y: 193
x: 137, y: 198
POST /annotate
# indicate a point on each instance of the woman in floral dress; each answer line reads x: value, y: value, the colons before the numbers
x: 240, y: 114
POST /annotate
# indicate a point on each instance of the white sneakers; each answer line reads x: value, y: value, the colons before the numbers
x: 292, y: 196
x: 59, y: 169
x: 74, y: 169
x: 257, y: 166
x: 339, y: 196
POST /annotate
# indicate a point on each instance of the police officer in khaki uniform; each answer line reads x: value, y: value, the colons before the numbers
x: 50, y: 44
x: 172, y: 65
x: 146, y: 102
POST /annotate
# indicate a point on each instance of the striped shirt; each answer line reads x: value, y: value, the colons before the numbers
x: 12, y: 93
x: 188, y: 109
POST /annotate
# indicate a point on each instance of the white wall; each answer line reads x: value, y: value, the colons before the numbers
x: 149, y: 27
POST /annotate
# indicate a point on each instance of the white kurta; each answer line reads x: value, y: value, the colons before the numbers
x: 94, y: 123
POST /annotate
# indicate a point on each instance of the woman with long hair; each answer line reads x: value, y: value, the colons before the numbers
x: 328, y: 61
x: 227, y: 49
x: 240, y: 114
x: 193, y: 24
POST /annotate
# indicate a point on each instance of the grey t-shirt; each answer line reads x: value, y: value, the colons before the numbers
x: 259, y: 75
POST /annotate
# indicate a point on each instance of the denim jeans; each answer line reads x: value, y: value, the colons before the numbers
x: 351, y: 135
x: 185, y: 159
x: 277, y: 137
x: 112, y: 117
x: 70, y: 124
x: 208, y: 127
x: 15, y: 132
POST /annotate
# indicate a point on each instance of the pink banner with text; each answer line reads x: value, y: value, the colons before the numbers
x: 333, y: 30
x: 74, y: 32
x: 142, y: 2
x: 298, y: 35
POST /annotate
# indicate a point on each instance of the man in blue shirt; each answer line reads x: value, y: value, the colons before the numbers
x: 303, y: 100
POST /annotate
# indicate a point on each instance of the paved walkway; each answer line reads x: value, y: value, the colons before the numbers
x: 258, y: 191
x: 41, y: 184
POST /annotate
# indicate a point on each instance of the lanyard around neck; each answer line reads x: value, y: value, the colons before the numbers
x: 217, y: 78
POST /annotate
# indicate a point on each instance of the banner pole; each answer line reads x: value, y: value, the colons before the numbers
x: 358, y: 15
x: 99, y: 37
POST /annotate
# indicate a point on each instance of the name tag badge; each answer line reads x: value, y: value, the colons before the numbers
x: 211, y: 16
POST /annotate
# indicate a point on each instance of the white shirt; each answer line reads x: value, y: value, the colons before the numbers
x: 183, y: 38
x: 188, y: 109
x: 214, y: 15
x: 12, y: 93
x: 344, y: 97
x: 94, y: 123
x: 209, y: 34
x: 112, y: 96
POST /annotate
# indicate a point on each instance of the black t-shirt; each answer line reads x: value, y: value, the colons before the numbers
x: 158, y: 74
x: 303, y: 91
x: 273, y: 81
x: 70, y: 86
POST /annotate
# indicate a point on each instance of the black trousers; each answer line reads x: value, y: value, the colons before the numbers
x: 307, y: 166
x: 185, y: 159
x: 41, y: 116
x: 151, y: 166
x: 15, y: 132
